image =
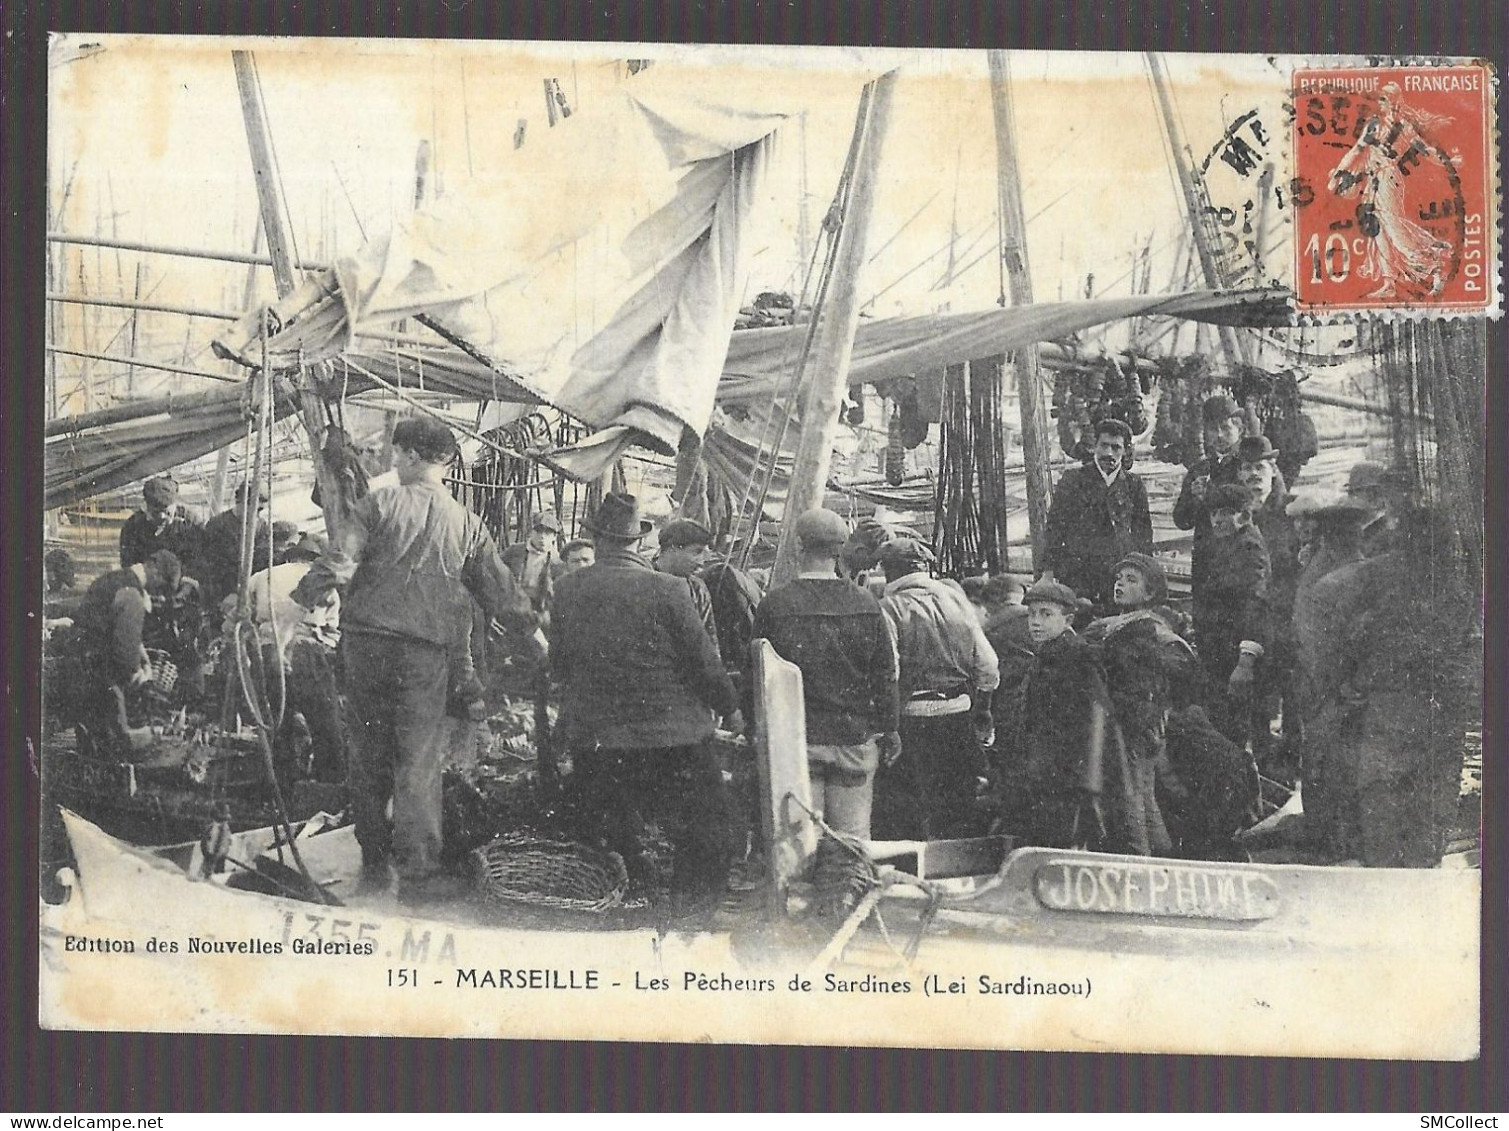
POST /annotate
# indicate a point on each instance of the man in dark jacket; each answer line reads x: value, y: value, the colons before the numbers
x: 411, y: 559
x: 220, y: 545
x: 1257, y: 470
x: 108, y: 625
x: 1232, y: 629
x: 643, y: 687
x: 1099, y: 515
x: 836, y: 634
x: 1224, y: 421
x: 683, y: 544
x: 163, y: 523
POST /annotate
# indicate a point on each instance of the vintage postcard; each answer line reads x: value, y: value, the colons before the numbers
x: 928, y: 548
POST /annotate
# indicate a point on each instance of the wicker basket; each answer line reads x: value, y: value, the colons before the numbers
x: 164, y: 672
x: 523, y: 868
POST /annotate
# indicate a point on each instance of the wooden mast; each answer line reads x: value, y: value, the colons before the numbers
x: 827, y: 371
x: 1034, y: 419
x: 280, y: 248
x: 1229, y: 342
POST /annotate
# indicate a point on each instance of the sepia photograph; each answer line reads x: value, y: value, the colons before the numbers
x: 765, y: 545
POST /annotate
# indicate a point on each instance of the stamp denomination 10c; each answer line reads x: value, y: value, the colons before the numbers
x: 1393, y: 193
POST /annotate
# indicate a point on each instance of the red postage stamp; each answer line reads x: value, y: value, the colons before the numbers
x: 1393, y: 194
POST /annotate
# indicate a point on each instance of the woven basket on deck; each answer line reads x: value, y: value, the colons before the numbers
x: 522, y: 868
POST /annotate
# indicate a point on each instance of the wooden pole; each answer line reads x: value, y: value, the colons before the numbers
x: 833, y: 346
x: 1229, y: 343
x: 1029, y: 377
x: 280, y: 249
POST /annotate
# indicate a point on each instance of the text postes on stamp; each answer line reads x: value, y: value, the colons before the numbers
x: 1392, y: 192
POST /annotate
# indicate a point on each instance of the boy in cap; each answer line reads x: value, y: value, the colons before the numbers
x: 1149, y: 670
x: 836, y: 634
x: 947, y: 676
x: 1069, y: 785
x: 1231, y: 611
x: 1099, y: 513
x: 533, y: 562
x: 163, y: 523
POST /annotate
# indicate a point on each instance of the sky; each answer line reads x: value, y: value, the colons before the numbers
x: 147, y: 136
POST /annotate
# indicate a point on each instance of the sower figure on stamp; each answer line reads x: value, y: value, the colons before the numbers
x: 642, y: 688
x: 835, y: 633
x: 948, y: 676
x: 1099, y: 515
x: 411, y: 558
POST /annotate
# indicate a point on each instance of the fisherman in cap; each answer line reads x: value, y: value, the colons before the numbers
x: 1224, y: 422
x: 220, y: 551
x: 724, y: 594
x: 948, y: 675
x: 110, y: 625
x: 1099, y: 514
x: 1232, y: 628
x: 533, y: 562
x: 836, y: 634
x: 1068, y: 784
x: 411, y: 559
x: 643, y: 686
x: 163, y: 523
x: 683, y: 545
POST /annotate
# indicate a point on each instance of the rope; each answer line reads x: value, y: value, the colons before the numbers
x: 836, y: 214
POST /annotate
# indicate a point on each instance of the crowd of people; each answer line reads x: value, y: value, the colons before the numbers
x: 1081, y: 708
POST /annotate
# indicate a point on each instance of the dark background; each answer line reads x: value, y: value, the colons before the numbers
x: 97, y: 1073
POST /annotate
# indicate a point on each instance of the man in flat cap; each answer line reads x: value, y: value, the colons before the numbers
x: 411, y: 559
x: 163, y: 523
x: 1224, y: 422
x: 683, y: 545
x: 948, y: 673
x: 643, y: 686
x: 835, y: 633
x: 1099, y: 515
x: 533, y: 562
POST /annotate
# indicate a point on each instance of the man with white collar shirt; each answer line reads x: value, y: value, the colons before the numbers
x: 1099, y: 515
